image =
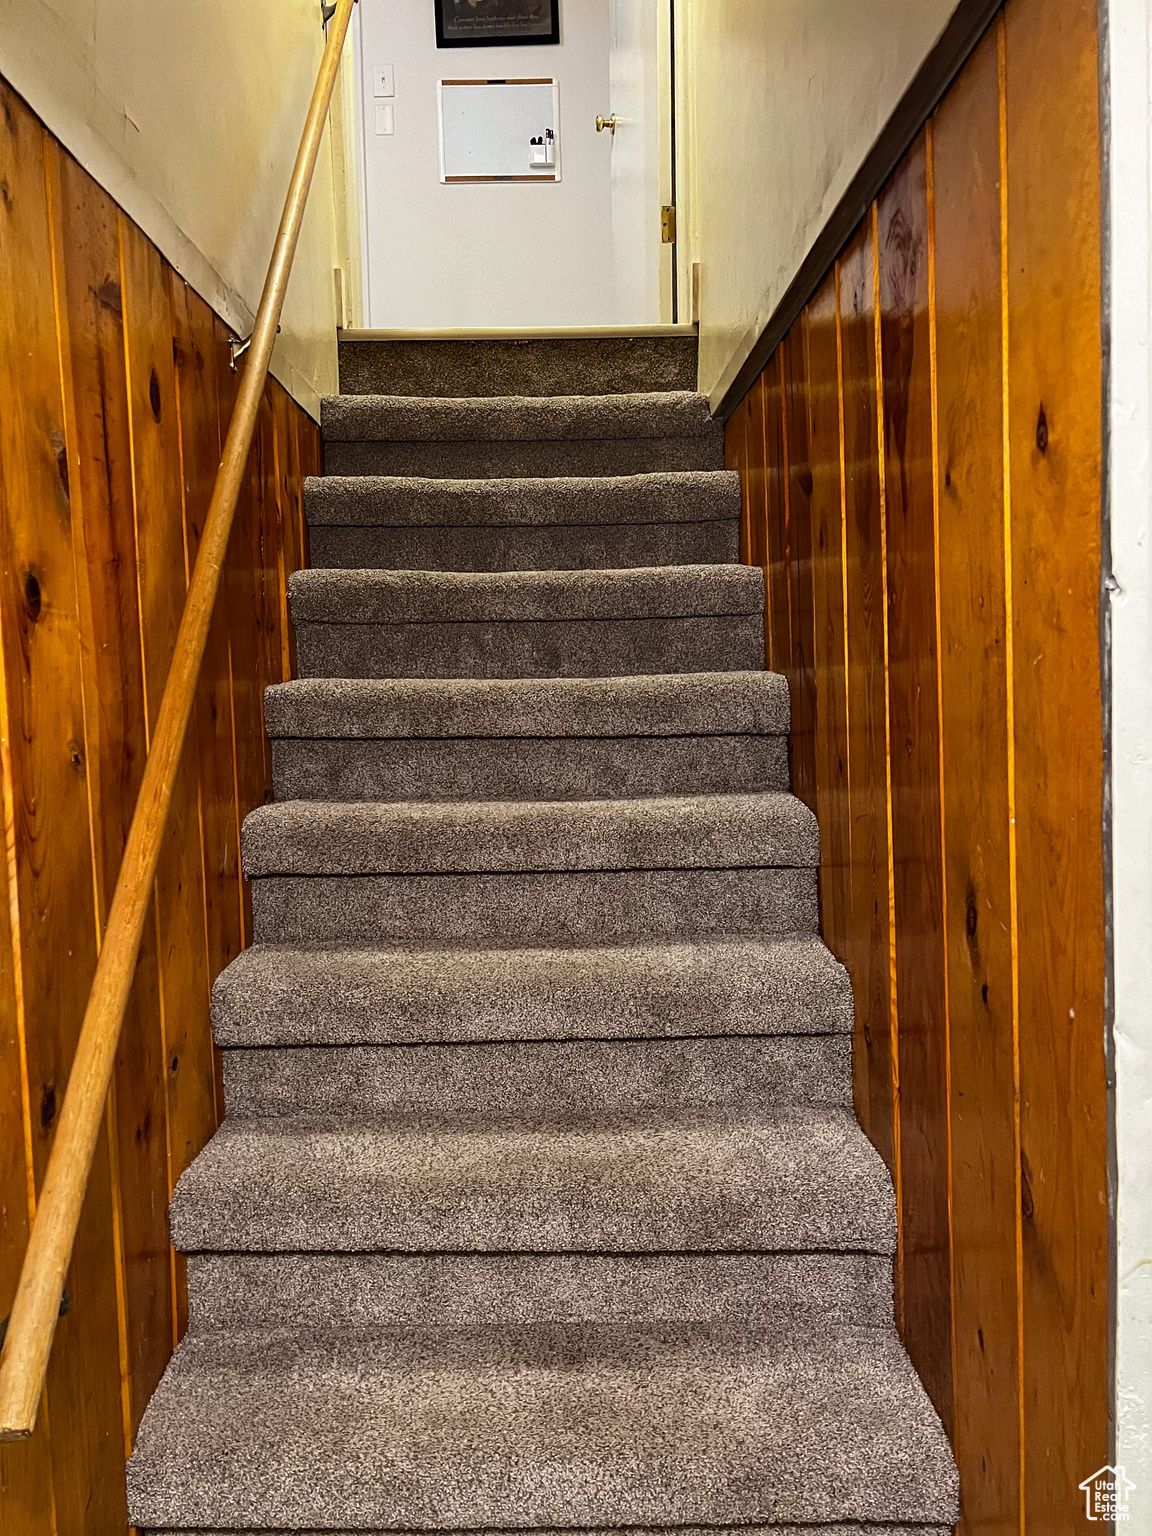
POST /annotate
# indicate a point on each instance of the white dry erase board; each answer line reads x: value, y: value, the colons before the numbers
x: 487, y: 128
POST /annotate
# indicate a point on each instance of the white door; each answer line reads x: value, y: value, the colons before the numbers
x: 640, y: 111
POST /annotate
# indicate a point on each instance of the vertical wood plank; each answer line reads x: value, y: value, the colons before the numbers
x: 317, y: 447
x: 292, y: 514
x: 794, y: 358
x: 269, y: 564
x: 211, y: 729
x: 776, y: 575
x: 104, y: 548
x: 915, y: 770
x: 301, y: 467
x: 162, y: 564
x: 47, y: 829
x: 240, y: 589
x: 1054, y: 404
x: 978, y: 917
x: 786, y: 516
x: 736, y: 459
x: 828, y: 657
x: 756, y: 476
x: 283, y: 529
x: 26, y: 1469
x: 868, y: 950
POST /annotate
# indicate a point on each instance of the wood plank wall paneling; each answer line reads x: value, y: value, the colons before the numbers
x: 914, y: 761
x: 829, y: 683
x: 939, y: 403
x: 869, y: 939
x: 1052, y: 320
x: 47, y: 816
x: 116, y: 395
x: 802, y: 679
x: 974, y: 715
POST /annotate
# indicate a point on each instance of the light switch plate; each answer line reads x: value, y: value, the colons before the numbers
x: 384, y: 80
x: 385, y: 117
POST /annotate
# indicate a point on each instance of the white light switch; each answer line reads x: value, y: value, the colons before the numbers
x: 385, y: 117
x: 384, y: 80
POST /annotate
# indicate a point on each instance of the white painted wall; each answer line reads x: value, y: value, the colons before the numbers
x: 446, y: 257
x: 784, y: 101
x: 190, y: 115
x: 1129, y: 58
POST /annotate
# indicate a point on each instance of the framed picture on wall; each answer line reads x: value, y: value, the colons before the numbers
x: 496, y: 23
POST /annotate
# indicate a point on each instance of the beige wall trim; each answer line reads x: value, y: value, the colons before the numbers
x: 965, y: 29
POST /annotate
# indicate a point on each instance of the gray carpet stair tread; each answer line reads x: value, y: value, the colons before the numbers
x: 308, y: 837
x: 415, y: 597
x: 516, y: 418
x: 276, y: 995
x: 564, y: 1426
x: 411, y: 501
x: 787, y: 1179
x: 358, y: 1291
x: 688, y: 704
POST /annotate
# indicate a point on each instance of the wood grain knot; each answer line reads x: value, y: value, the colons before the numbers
x: 108, y: 296
x: 1027, y: 1203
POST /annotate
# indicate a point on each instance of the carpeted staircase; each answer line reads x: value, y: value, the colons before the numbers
x: 539, y: 1202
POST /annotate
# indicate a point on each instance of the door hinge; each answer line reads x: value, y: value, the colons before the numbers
x: 668, y: 224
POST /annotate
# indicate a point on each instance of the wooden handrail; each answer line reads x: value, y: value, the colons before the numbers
x: 34, y: 1312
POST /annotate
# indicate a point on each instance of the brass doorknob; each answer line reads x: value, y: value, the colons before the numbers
x: 606, y: 122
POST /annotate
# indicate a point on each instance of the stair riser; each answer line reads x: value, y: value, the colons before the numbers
x: 587, y: 365
x: 237, y: 1291
x: 536, y: 648
x: 527, y: 769
x: 526, y: 908
x: 515, y: 460
x: 567, y: 548
x: 544, y: 1076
